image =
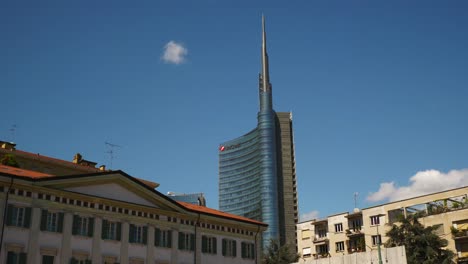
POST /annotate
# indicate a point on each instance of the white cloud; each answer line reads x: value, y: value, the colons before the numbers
x: 309, y: 216
x: 174, y: 53
x: 423, y: 182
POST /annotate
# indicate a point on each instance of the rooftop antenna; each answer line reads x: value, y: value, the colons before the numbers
x: 355, y: 199
x: 111, y: 151
x: 12, y: 133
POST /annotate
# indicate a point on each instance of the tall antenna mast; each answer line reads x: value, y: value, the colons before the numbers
x: 12, y: 133
x: 355, y: 199
x: 111, y: 151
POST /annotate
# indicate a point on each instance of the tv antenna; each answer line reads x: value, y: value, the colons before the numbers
x: 355, y: 199
x: 12, y: 133
x: 111, y: 151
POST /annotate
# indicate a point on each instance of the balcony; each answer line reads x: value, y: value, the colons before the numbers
x: 459, y: 234
x: 352, y: 232
x: 320, y: 240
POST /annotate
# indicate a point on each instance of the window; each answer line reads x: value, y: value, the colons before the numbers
x: 356, y: 224
x: 229, y: 248
x: 322, y: 249
x: 376, y: 240
x: 138, y: 234
x: 306, y: 234
x: 306, y: 252
x: 375, y: 220
x: 47, y: 260
x: 248, y: 250
x: 163, y: 238
x: 186, y: 241
x: 16, y: 258
x: 339, y: 228
x: 18, y: 216
x: 111, y: 230
x: 52, y: 221
x: 83, y: 226
x: 339, y: 246
x: 395, y: 215
x: 322, y: 233
x: 209, y: 245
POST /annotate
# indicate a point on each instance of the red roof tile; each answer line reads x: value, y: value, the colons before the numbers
x: 203, y: 209
x: 23, y: 173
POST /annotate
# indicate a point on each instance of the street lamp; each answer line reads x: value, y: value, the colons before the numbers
x: 379, y: 240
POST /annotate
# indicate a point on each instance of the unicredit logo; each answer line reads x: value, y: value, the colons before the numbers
x: 222, y: 148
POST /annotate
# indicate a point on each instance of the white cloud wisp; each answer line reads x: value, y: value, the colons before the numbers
x: 174, y: 53
x: 423, y: 182
x: 309, y: 216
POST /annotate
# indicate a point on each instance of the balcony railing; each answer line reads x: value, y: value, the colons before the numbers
x: 354, y: 232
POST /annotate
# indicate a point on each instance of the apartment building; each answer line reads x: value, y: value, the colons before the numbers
x: 362, y: 230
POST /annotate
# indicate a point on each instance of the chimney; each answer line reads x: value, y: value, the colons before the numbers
x: 77, y: 158
x: 102, y: 167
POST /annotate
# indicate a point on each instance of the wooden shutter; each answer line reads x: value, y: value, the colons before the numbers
x: 88, y: 261
x: 181, y: 240
x: 157, y: 237
x: 22, y: 258
x: 224, y: 245
x: 119, y: 231
x: 204, y: 244
x: 27, y: 218
x: 60, y: 222
x: 215, y: 251
x: 145, y: 235
x: 104, y: 228
x: 234, y: 248
x: 169, y: 238
x: 252, y: 251
x: 90, y: 226
x: 75, y: 226
x: 131, y: 234
x: 243, y: 250
x: 9, y: 221
x: 192, y: 242
x: 43, y: 220
x: 73, y: 261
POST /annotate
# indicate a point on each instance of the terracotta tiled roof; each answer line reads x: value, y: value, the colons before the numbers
x: 23, y: 173
x: 206, y: 210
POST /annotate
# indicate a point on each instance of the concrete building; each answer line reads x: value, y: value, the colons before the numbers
x: 257, y: 174
x: 361, y: 230
x: 112, y: 217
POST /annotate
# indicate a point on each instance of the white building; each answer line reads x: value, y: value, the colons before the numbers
x: 112, y: 217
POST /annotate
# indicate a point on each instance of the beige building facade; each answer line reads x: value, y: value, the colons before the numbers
x: 361, y: 230
x: 112, y: 217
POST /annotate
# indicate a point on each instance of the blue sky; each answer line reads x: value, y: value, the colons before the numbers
x: 378, y: 90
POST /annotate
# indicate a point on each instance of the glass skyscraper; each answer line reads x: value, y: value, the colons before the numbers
x: 257, y: 176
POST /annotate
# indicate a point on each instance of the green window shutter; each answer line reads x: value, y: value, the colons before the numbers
x: 9, y: 215
x: 215, y: 250
x: 145, y: 235
x: 11, y: 257
x: 22, y: 258
x: 157, y: 237
x: 243, y: 250
x: 27, y: 217
x: 234, y: 248
x: 91, y: 227
x: 119, y: 231
x: 43, y: 220
x: 75, y: 225
x: 131, y: 234
x: 192, y: 242
x: 104, y: 228
x: 203, y: 244
x: 88, y: 261
x: 224, y: 247
x: 252, y: 251
x: 60, y: 222
x: 73, y: 261
x: 181, y: 241
x: 169, y: 238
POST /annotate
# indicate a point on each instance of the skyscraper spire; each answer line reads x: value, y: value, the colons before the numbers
x: 265, y: 76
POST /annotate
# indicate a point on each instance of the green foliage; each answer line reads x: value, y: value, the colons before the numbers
x: 9, y: 160
x: 276, y: 254
x: 422, y: 245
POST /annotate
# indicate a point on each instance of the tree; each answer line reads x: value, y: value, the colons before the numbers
x: 276, y: 254
x: 9, y: 160
x: 422, y: 245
